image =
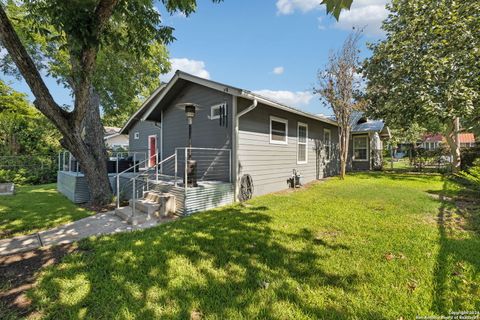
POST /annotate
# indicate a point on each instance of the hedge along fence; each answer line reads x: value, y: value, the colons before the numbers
x: 28, y: 169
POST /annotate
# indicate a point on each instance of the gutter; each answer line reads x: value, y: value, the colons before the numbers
x: 235, y: 162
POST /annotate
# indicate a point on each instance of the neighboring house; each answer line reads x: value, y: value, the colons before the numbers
x: 366, y: 142
x: 114, y: 140
x: 433, y: 141
x: 467, y: 140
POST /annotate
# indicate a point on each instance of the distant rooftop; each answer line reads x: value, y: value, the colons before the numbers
x: 111, y: 130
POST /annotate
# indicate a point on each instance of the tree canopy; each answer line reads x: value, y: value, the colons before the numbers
x: 126, y: 71
x: 426, y: 70
x: 23, y: 130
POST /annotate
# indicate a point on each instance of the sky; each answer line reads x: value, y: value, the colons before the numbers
x: 271, y: 47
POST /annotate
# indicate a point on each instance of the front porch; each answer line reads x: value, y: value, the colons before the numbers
x: 214, y: 183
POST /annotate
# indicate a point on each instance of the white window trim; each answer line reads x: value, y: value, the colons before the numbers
x: 215, y: 107
x: 136, y: 135
x: 353, y: 148
x: 273, y: 118
x: 301, y: 124
x: 329, y: 157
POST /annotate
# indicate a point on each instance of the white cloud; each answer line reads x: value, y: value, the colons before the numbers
x: 367, y: 14
x: 290, y: 98
x: 290, y: 6
x: 195, y: 67
x: 278, y: 70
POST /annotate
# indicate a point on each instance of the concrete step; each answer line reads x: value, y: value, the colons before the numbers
x: 145, y: 206
x: 156, y: 203
x: 125, y: 213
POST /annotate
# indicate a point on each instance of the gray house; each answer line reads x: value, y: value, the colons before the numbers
x: 234, y: 133
x: 243, y: 145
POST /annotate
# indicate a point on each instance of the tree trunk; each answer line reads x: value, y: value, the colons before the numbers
x: 453, y: 140
x: 99, y: 183
x: 343, y: 151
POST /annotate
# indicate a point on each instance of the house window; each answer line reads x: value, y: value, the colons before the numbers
x: 302, y: 143
x: 360, y: 148
x: 327, y: 141
x: 136, y: 135
x: 278, y: 130
x: 215, y: 111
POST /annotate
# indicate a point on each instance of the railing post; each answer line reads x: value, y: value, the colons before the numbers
x: 156, y: 164
x: 118, y: 191
x: 78, y: 168
x: 176, y: 167
x: 117, y: 163
x: 59, y: 159
x: 69, y: 161
x: 185, y: 182
x: 133, y: 199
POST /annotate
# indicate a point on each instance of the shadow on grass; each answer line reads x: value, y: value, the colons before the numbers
x: 457, y: 272
x: 223, y: 264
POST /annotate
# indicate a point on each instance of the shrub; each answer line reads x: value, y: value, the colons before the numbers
x: 472, y: 175
x: 468, y: 156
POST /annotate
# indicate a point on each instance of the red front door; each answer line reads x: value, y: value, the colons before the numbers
x: 152, y: 149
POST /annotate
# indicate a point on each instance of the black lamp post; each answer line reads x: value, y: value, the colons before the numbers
x: 190, y: 109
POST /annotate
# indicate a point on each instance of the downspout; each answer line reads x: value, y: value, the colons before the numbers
x: 237, y: 118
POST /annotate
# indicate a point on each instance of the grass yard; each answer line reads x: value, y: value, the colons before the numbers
x: 35, y: 208
x: 376, y: 246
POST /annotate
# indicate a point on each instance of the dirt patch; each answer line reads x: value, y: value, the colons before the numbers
x: 18, y: 273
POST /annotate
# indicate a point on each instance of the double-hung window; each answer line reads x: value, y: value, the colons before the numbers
x: 360, y: 148
x: 327, y: 141
x: 278, y: 130
x: 302, y: 143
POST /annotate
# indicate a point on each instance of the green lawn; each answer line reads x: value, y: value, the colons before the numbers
x: 35, y: 208
x: 376, y: 246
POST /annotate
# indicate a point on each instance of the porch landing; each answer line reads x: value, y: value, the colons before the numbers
x: 207, y: 195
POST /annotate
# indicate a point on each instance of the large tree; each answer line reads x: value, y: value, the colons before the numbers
x: 86, y: 44
x: 427, y: 68
x: 338, y: 87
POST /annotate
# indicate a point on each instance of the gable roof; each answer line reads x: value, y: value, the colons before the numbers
x: 437, y: 137
x: 361, y: 124
x: 152, y: 102
x: 467, y: 138
x: 139, y: 113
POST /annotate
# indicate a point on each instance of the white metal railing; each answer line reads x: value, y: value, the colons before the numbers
x: 151, y: 173
x: 68, y: 163
x: 213, y: 164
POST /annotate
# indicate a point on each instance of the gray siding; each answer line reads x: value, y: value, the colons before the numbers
x: 144, y: 129
x: 206, y: 133
x: 270, y: 165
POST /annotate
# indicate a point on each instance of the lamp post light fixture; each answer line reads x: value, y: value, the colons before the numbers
x: 191, y: 165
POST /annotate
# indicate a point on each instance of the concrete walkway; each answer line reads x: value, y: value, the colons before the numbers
x: 102, y: 223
